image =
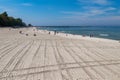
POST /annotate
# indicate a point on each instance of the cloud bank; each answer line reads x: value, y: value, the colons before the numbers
x: 26, y: 4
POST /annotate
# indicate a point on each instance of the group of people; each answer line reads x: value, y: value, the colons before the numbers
x: 91, y: 35
x: 55, y: 32
x: 26, y: 34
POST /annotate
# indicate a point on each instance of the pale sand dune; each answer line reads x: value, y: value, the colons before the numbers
x: 56, y: 57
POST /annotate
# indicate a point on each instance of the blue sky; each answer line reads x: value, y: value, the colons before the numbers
x: 64, y: 12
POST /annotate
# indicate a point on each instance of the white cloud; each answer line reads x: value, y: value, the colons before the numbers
x: 102, y: 11
x: 26, y: 4
x: 97, y: 12
x: 108, y: 20
x: 110, y: 9
x: 88, y: 8
x: 99, y: 2
x: 92, y: 12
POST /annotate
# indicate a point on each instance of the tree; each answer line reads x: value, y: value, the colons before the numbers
x: 29, y: 25
x: 5, y: 14
x: 5, y: 20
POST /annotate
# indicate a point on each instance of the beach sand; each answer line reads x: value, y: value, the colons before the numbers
x: 56, y: 57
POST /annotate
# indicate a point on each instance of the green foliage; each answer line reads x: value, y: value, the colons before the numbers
x: 5, y: 20
x: 29, y: 25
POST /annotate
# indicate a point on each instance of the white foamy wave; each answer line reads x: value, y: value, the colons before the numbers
x: 104, y: 34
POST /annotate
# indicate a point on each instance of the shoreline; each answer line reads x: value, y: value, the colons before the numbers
x: 63, y: 34
x: 75, y: 36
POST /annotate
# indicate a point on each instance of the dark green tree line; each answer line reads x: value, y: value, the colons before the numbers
x: 5, y: 20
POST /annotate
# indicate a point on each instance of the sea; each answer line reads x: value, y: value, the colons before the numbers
x: 108, y: 32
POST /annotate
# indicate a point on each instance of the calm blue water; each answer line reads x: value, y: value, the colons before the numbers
x: 110, y: 32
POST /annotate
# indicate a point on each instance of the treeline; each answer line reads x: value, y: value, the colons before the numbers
x: 7, y: 21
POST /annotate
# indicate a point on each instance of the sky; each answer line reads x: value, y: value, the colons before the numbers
x: 64, y: 12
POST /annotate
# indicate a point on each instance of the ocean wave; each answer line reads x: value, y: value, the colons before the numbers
x: 104, y: 34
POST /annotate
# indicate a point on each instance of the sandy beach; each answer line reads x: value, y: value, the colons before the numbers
x: 56, y: 57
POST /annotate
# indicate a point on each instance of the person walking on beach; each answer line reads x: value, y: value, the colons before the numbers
x: 91, y: 35
x: 54, y: 32
x: 49, y: 33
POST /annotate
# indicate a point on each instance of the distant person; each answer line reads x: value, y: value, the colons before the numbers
x: 34, y: 35
x: 54, y: 32
x: 26, y: 34
x: 57, y: 32
x: 83, y: 35
x: 49, y: 33
x: 91, y: 35
x: 33, y: 29
x: 20, y: 32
